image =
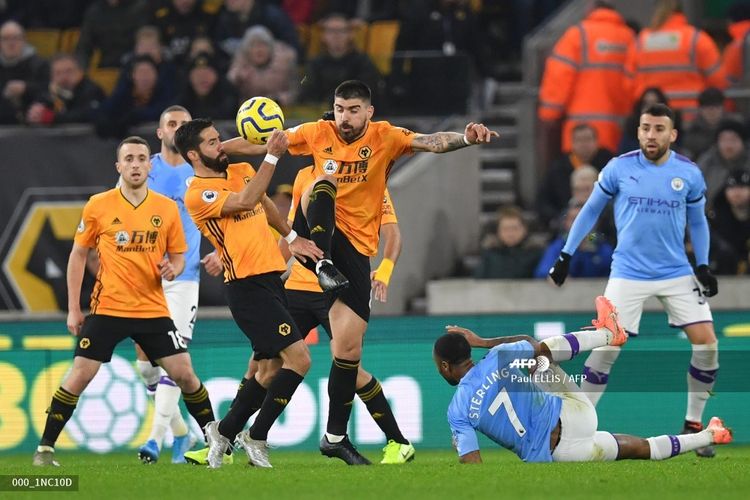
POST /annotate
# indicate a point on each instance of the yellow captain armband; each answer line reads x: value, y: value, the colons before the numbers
x: 384, y: 271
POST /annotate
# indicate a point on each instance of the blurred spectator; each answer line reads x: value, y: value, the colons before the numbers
x: 651, y: 95
x: 180, y: 21
x: 205, y: 45
x: 509, y: 256
x: 555, y: 193
x: 148, y: 43
x: 729, y: 152
x: 110, y: 26
x: 339, y: 61
x: 23, y: 74
x: 208, y: 93
x: 584, y: 79
x: 591, y: 260
x: 71, y: 96
x: 282, y: 198
x: 366, y: 10
x: 264, y: 66
x: 700, y: 134
x: 60, y: 14
x: 239, y: 15
x: 676, y: 57
x: 730, y: 219
x: 735, y: 57
x: 438, y: 49
x: 140, y: 98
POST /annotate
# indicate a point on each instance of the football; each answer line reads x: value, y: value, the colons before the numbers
x: 257, y: 118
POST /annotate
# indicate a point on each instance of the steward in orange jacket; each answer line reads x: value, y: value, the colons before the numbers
x: 679, y: 59
x: 737, y: 54
x: 584, y: 77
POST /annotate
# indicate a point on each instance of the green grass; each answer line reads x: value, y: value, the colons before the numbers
x: 434, y: 475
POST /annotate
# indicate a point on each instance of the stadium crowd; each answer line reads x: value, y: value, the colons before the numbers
x: 119, y: 63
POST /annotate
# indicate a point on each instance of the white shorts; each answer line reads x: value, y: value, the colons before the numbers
x: 182, y: 301
x: 681, y: 298
x: 579, y: 439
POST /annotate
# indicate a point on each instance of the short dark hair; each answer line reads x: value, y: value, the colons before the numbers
x: 353, y: 89
x: 188, y: 136
x: 133, y: 139
x: 453, y: 348
x: 659, y: 109
x: 64, y: 56
x: 173, y: 108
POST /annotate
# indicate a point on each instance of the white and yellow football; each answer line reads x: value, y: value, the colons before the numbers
x: 257, y: 118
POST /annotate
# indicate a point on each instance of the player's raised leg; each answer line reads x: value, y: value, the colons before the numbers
x: 319, y: 208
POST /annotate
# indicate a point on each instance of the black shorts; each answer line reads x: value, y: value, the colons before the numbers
x: 352, y: 264
x: 100, y: 334
x: 259, y: 307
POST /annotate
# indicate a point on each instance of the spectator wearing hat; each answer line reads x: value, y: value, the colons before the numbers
x: 207, y: 92
x: 699, y: 136
x: 730, y: 219
x: 729, y: 152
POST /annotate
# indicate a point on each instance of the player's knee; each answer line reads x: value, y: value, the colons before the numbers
x: 327, y: 178
x: 184, y: 376
x: 267, y: 370
x: 347, y: 350
x: 297, y: 358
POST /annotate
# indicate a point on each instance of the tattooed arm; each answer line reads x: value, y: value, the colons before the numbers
x: 442, y: 142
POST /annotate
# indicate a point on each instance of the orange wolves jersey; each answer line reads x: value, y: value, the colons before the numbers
x: 130, y: 241
x: 300, y: 277
x: 244, y: 239
x: 360, y: 168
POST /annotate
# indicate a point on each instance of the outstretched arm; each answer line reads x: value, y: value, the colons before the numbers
x: 239, y: 146
x: 477, y: 341
x: 442, y: 142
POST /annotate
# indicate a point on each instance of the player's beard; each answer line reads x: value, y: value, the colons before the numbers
x: 660, y: 151
x: 350, y: 133
x: 219, y: 164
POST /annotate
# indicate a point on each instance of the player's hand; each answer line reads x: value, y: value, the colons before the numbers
x: 74, y: 322
x: 477, y: 133
x: 277, y: 143
x: 474, y: 339
x: 559, y: 271
x: 379, y: 289
x: 166, y: 268
x: 708, y: 280
x: 212, y: 264
x: 303, y: 249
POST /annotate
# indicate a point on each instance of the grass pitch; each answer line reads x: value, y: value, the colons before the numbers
x: 433, y: 474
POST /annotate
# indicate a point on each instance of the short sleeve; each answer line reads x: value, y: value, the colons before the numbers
x: 298, y: 138
x: 400, y: 141
x: 463, y: 434
x: 697, y: 192
x: 507, y: 353
x: 88, y: 228
x: 608, y: 179
x: 176, y: 235
x: 205, y: 203
x: 389, y: 212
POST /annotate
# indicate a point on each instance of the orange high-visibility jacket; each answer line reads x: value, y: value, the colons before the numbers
x: 679, y: 59
x: 736, y: 53
x: 584, y: 77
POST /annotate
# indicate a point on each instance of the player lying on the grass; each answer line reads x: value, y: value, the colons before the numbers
x: 544, y: 416
x: 139, y: 238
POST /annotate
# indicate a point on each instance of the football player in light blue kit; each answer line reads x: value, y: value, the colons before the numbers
x: 543, y: 417
x: 170, y: 176
x: 656, y: 192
